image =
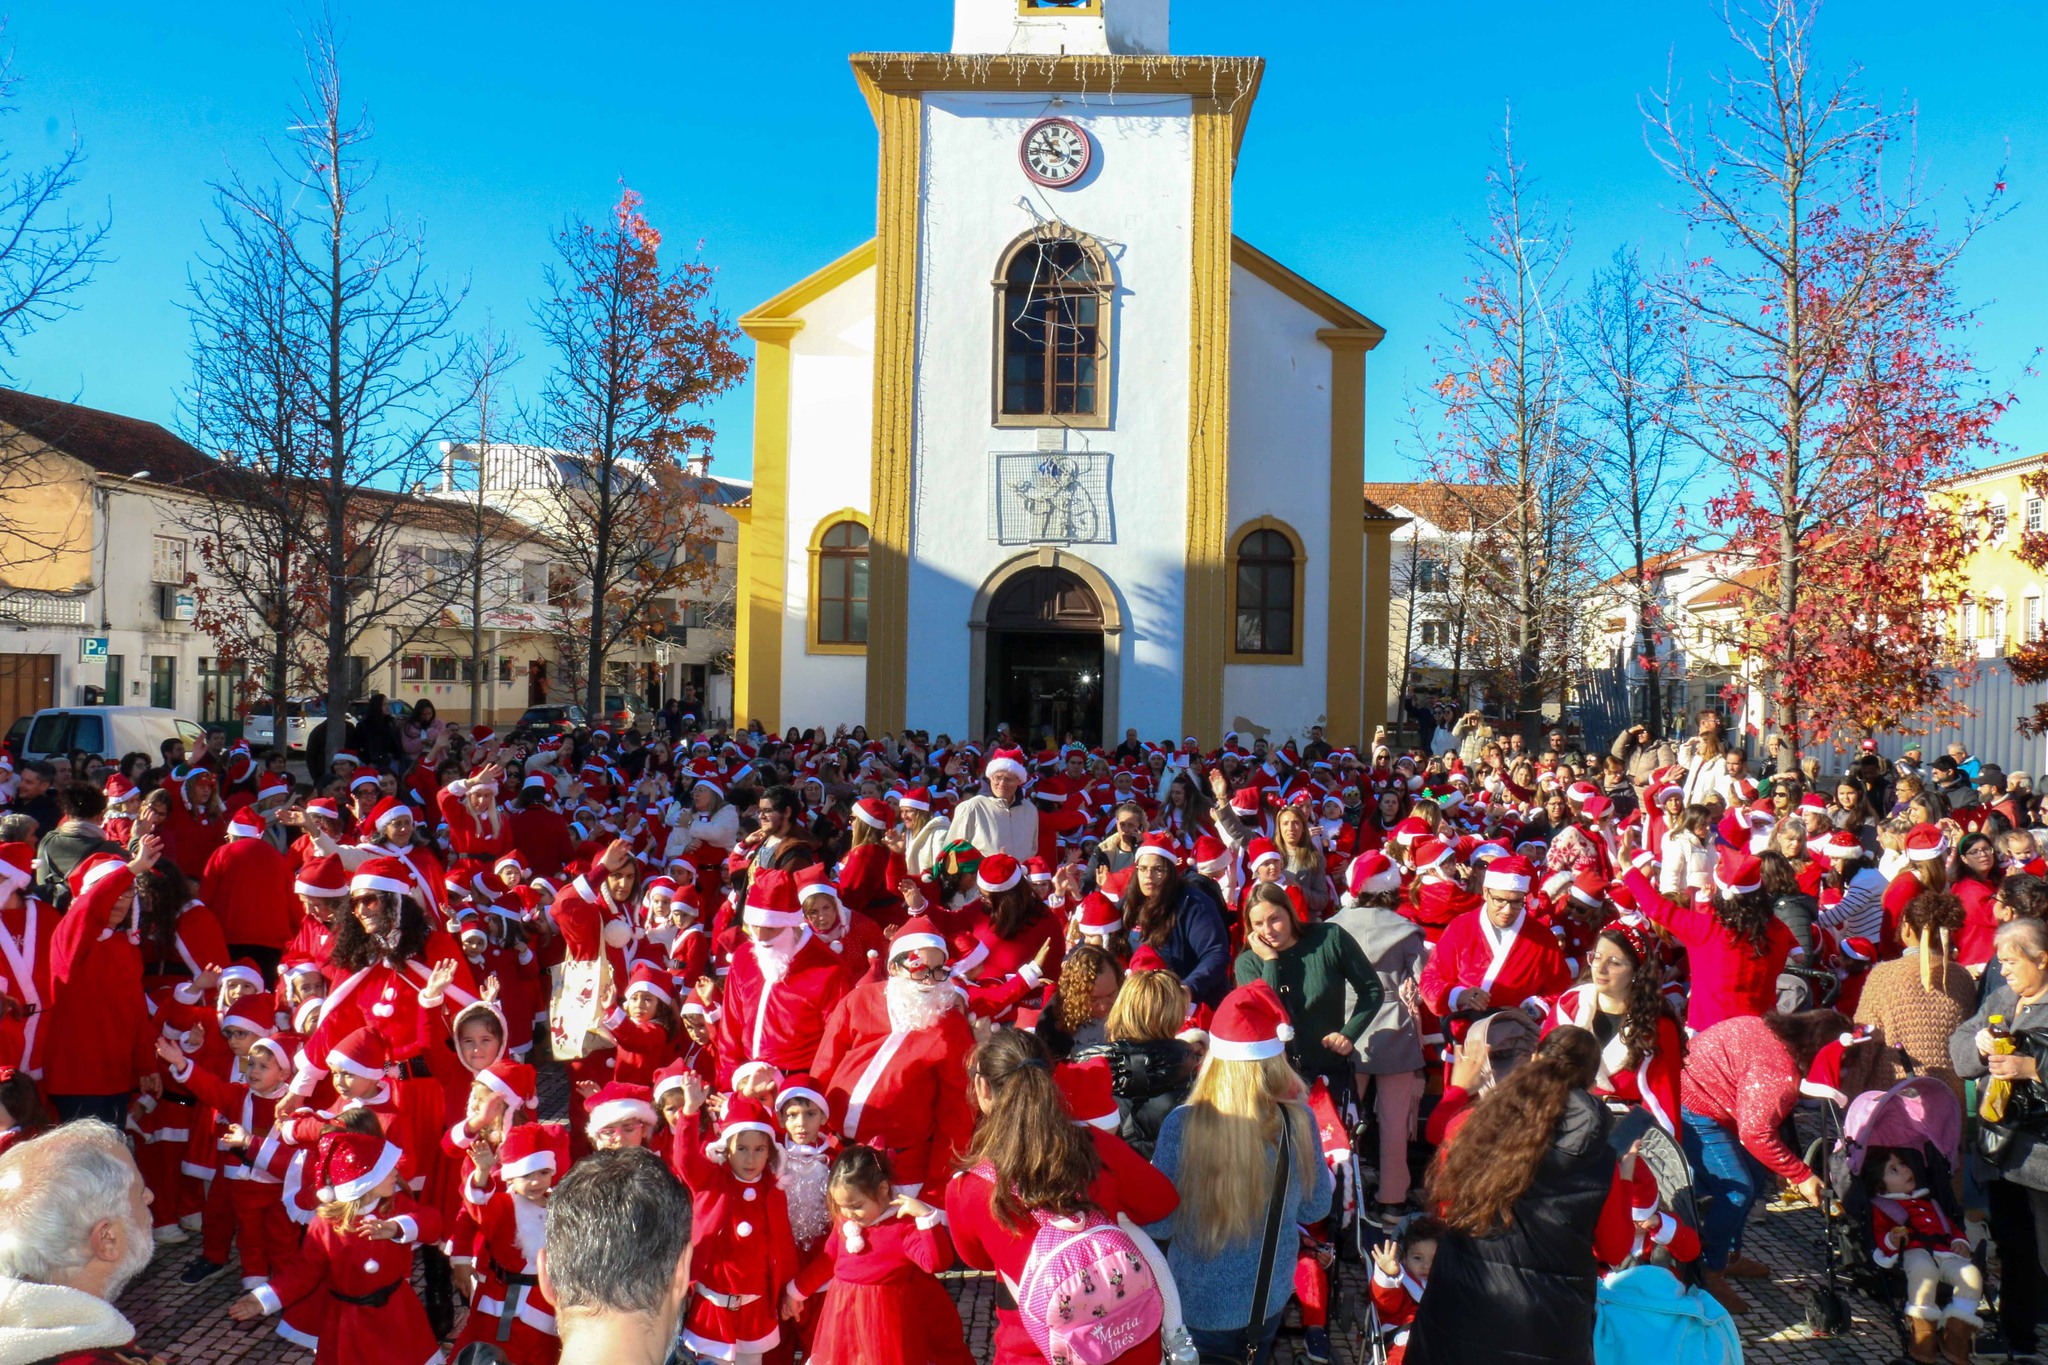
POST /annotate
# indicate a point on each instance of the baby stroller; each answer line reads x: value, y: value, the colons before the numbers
x: 1920, y: 1114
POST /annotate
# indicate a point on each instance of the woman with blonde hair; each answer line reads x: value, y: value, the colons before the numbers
x: 1303, y: 857
x: 1151, y: 1062
x: 1244, y: 1133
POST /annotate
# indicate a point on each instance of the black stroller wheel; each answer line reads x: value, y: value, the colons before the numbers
x: 1825, y: 1314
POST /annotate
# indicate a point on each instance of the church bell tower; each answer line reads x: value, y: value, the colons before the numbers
x: 1080, y: 28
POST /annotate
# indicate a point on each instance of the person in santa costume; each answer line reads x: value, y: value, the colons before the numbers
x: 391, y: 826
x: 1735, y: 945
x: 1496, y: 957
x: 893, y: 1062
x: 855, y: 937
x: 321, y: 885
x: 477, y: 827
x: 197, y: 822
x: 782, y: 985
x: 250, y: 883
x: 1916, y: 1228
x: 508, y: 1308
x: 26, y: 927
x: 1622, y: 1004
x: 358, y: 1255
x: 98, y: 1009
x: 886, y: 1306
x: 743, y: 1252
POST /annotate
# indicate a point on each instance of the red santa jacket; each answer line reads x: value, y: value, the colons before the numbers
x: 235, y: 1104
x: 741, y: 1245
x: 1433, y: 904
x: 349, y: 1268
x: 100, y: 1015
x: 26, y: 962
x: 1919, y: 1224
x: 779, y: 1024
x: 868, y: 877
x: 542, y: 835
x: 509, y: 1234
x: 190, y: 838
x: 904, y: 1092
x: 1652, y: 1082
x: 251, y: 883
x: 386, y: 999
x: 1518, y: 965
x: 485, y: 839
x: 197, y: 942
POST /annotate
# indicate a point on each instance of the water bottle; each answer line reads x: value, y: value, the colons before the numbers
x: 1178, y: 1346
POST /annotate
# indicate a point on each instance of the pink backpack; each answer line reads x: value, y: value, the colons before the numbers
x: 1087, y: 1294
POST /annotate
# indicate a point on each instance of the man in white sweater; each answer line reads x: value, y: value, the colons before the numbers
x: 1003, y: 822
x: 74, y: 1230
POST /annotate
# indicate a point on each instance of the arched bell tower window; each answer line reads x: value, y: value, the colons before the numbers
x: 1053, y: 312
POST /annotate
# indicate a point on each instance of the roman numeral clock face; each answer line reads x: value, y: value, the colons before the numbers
x: 1055, y: 152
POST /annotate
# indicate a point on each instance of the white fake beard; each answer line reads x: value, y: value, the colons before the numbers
x: 914, y: 1005
x: 804, y: 1177
x: 774, y: 960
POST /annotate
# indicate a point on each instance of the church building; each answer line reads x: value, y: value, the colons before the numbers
x: 1055, y: 448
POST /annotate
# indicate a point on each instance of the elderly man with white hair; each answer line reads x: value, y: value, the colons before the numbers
x: 74, y: 1230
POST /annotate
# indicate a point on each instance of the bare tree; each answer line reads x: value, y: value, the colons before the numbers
x: 636, y: 348
x: 47, y: 257
x: 1632, y: 418
x: 372, y: 346
x: 1503, y: 395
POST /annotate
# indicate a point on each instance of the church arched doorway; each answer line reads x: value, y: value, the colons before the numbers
x: 1044, y: 656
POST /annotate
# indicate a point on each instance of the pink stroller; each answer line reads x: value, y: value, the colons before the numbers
x: 1920, y: 1114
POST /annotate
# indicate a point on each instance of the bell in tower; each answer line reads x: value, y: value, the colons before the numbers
x: 1061, y: 27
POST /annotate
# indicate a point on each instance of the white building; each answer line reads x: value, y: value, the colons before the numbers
x: 1055, y: 448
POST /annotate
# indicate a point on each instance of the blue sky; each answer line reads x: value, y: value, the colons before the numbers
x: 741, y: 125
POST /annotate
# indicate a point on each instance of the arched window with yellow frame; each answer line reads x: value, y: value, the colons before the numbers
x: 838, y: 610
x: 1266, y: 580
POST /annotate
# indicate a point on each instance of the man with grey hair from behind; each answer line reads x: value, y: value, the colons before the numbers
x: 74, y: 1230
x: 616, y: 1261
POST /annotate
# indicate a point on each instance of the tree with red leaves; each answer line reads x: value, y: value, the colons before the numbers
x: 1830, y: 383
x: 638, y: 347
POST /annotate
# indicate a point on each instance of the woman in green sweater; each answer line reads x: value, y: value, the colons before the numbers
x: 1308, y: 966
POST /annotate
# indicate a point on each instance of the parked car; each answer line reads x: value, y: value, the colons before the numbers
x: 624, y: 711
x: 545, y: 722
x: 301, y: 714
x: 398, y: 709
x: 108, y: 731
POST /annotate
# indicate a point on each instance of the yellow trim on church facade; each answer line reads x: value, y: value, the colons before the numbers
x: 900, y: 119
x: 1206, y: 626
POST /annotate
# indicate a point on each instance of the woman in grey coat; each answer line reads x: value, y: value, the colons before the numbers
x: 2016, y: 1184
x: 1389, y: 1056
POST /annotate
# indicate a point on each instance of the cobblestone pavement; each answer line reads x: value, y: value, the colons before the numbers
x: 189, y: 1324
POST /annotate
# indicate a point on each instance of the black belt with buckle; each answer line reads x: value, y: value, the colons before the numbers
x: 376, y: 1298
x: 511, y: 1279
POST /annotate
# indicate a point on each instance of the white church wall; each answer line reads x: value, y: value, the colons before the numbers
x: 1136, y: 200
x: 1280, y: 468
x: 832, y: 380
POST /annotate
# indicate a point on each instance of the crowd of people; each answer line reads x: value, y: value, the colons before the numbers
x: 1147, y: 1031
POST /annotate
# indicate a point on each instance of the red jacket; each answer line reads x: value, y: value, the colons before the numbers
x: 190, y: 838
x: 905, y: 1093
x: 101, y: 1039
x: 543, y: 836
x: 249, y: 884
x: 780, y: 1024
x: 26, y: 961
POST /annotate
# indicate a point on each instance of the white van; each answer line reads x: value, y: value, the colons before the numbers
x: 109, y: 731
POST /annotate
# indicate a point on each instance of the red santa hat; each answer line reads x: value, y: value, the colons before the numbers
x: 646, y: 980
x: 1836, y: 845
x: 619, y: 1102
x: 1038, y: 871
x: 1409, y: 830
x: 325, y: 807
x: 387, y: 810
x: 1250, y: 1025
x: 873, y: 813
x: 772, y: 901
x: 1212, y: 855
x: 274, y: 787
x: 1738, y: 873
x: 345, y: 757
x: 382, y: 874
x: 283, y: 1048
x: 1009, y: 761
x: 1372, y: 873
x: 530, y: 1148
x: 801, y: 1086
x: 1429, y: 852
x: 322, y: 878
x: 1512, y: 873
x: 1589, y: 889
x: 253, y: 1013
x: 671, y: 1076
x: 917, y: 932
x: 1099, y: 917
x: 1824, y: 1077
x: 1146, y: 958
x: 742, y: 1115
x: 352, y: 1165
x: 1596, y: 807
x: 512, y: 1081
x: 361, y: 1054
x: 1926, y: 843
x: 1159, y: 846
x: 17, y: 865
x: 96, y: 869
x: 998, y: 872
x: 744, y: 1074
x: 917, y: 798
x: 1090, y: 1092
x: 119, y: 789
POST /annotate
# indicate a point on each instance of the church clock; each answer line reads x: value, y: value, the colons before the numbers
x: 1055, y: 152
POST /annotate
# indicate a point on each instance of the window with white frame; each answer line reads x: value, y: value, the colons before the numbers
x: 2031, y: 618
x: 1967, y: 625
x: 1998, y: 519
x: 1995, y: 626
x: 2031, y: 511
x: 167, y: 560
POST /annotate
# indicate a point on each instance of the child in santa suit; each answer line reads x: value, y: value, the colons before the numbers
x: 644, y: 1025
x: 356, y: 1068
x: 1400, y: 1272
x: 744, y: 1254
x: 358, y: 1256
x: 620, y: 1115
x: 508, y: 1308
x: 886, y: 1306
x: 246, y: 1202
x: 1660, y: 1235
x: 1911, y: 1229
x: 809, y: 1148
x: 501, y: 1095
